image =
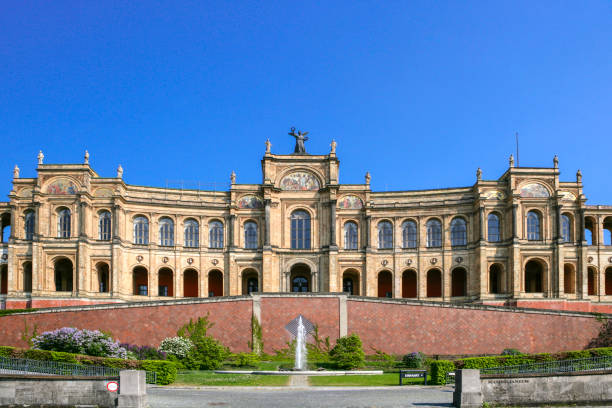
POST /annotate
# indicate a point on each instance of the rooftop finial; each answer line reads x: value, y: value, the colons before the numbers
x: 333, y: 147
x: 86, y: 157
x: 579, y: 176
x: 556, y: 161
x: 479, y: 174
x: 368, y: 178
x: 41, y: 156
x: 511, y: 160
x: 119, y: 171
x: 268, y: 146
x: 233, y: 177
x: 16, y: 172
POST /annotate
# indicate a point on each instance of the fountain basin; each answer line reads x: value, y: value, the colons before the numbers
x: 299, y: 372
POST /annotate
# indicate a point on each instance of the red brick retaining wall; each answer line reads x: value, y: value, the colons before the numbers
x: 400, y: 329
x: 393, y: 326
x: 143, y: 324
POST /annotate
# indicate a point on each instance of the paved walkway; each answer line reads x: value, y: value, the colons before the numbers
x: 303, y: 397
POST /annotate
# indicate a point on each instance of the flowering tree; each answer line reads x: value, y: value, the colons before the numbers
x: 177, y: 346
x: 72, y: 340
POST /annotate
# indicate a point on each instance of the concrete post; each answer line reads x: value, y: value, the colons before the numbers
x: 132, y: 389
x: 468, y: 390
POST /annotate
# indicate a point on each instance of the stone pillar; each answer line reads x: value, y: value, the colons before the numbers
x: 514, y: 222
x: 482, y: 223
x: 332, y: 223
x: 132, y: 389
x: 230, y: 230
x: 267, y: 227
x: 468, y: 389
x: 368, y: 243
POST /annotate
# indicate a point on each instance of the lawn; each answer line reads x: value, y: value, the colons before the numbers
x: 364, y: 380
x: 210, y: 378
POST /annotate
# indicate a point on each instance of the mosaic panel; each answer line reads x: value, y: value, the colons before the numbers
x: 250, y: 201
x: 350, y: 202
x: 534, y: 190
x: 300, y: 181
x: 62, y: 187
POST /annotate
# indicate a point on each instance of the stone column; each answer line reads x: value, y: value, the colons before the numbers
x: 267, y: 227
x: 230, y: 230
x: 514, y: 221
x: 482, y: 223
x: 368, y: 244
x: 332, y: 223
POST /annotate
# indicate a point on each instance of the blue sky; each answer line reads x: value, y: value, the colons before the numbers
x: 418, y: 93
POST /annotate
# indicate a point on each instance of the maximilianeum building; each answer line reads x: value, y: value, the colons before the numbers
x: 526, y: 238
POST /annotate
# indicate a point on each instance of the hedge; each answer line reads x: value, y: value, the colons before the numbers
x: 166, y: 370
x: 439, y: 369
x: 498, y: 361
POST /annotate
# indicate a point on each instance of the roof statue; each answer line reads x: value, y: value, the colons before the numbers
x: 268, y: 146
x: 300, y: 138
x: 41, y: 156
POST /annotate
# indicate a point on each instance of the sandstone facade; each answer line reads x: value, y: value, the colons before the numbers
x: 75, y: 238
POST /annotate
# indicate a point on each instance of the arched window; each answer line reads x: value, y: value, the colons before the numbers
x: 141, y: 230
x: 409, y: 234
x: 493, y: 228
x: 385, y: 235
x: 63, y: 224
x: 250, y: 235
x: 166, y: 232
x: 300, y: 230
x: 30, y: 218
x: 192, y: 234
x: 533, y: 226
x: 565, y: 228
x: 216, y: 234
x: 104, y: 226
x: 458, y: 232
x: 434, y: 234
x: 350, y: 235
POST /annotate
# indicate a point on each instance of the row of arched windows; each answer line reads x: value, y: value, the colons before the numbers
x: 301, y: 231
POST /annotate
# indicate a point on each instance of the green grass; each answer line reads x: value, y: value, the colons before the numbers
x: 210, y: 378
x: 363, y: 380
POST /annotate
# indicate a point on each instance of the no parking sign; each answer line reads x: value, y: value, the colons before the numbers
x: 112, y: 386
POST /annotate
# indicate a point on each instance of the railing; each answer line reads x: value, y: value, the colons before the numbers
x: 547, y: 367
x: 10, y: 365
x: 553, y: 367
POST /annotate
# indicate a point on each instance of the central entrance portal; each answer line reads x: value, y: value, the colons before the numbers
x: 300, y: 278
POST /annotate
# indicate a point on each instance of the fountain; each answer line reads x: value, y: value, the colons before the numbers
x: 300, y: 346
x: 300, y: 328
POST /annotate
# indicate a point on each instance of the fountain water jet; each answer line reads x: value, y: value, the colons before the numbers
x: 300, y: 346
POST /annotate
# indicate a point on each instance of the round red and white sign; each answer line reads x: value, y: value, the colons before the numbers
x: 112, y: 386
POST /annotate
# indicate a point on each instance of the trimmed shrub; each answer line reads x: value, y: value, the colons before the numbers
x: 601, y: 351
x: 165, y: 370
x: 176, y: 346
x: 206, y: 354
x: 6, y: 351
x: 348, y: 353
x: 439, y: 369
x: 510, y: 352
x: 245, y: 360
x: 72, y: 340
x: 414, y: 360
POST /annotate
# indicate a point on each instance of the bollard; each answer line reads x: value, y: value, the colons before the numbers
x: 132, y: 389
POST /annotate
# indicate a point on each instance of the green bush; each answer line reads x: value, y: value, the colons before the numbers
x: 245, y: 360
x: 206, y: 354
x: 439, y: 369
x: 6, y: 351
x: 5, y: 312
x: 414, y: 360
x: 510, y: 352
x: 348, y: 353
x: 165, y: 370
x: 601, y: 351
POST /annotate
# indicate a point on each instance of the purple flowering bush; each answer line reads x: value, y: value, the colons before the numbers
x: 72, y: 340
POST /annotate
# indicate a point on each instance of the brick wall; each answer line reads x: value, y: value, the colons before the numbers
x: 142, y: 324
x: 276, y: 312
x: 441, y: 329
x: 394, y: 326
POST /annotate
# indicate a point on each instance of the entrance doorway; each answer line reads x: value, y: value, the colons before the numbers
x: 300, y: 278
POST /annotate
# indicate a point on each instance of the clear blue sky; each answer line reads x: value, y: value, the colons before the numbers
x: 418, y: 93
